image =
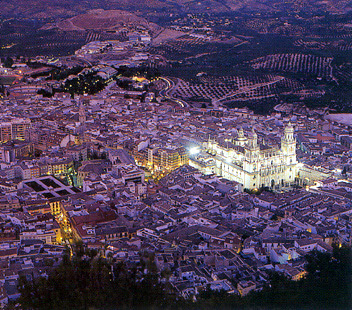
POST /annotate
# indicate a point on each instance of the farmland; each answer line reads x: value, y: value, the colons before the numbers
x: 297, y: 52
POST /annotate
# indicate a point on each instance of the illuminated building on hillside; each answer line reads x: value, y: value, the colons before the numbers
x: 245, y: 161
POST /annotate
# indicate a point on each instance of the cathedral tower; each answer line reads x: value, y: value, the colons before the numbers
x: 288, y: 150
x: 288, y: 144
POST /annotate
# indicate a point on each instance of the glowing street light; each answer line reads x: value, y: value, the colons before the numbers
x: 194, y: 151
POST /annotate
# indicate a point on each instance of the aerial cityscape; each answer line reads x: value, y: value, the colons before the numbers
x: 176, y: 154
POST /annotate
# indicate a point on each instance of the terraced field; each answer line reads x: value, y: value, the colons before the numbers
x: 234, y: 88
x: 296, y: 63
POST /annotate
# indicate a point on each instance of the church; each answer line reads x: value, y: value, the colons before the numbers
x: 246, y: 161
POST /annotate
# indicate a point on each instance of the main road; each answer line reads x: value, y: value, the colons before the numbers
x: 165, y: 93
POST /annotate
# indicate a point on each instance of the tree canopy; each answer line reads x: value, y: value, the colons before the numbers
x: 89, y: 281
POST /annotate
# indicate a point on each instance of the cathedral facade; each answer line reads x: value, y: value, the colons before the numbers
x: 246, y: 161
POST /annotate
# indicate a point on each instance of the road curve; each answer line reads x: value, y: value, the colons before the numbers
x: 165, y: 93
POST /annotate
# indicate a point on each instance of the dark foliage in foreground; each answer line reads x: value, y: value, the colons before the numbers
x: 328, y: 285
x: 87, y: 281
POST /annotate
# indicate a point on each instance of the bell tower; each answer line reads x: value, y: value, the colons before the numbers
x: 82, y: 122
x: 288, y: 150
x: 288, y: 143
x: 81, y: 114
x: 253, y: 142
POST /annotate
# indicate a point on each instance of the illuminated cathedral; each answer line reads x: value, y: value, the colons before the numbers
x: 245, y: 161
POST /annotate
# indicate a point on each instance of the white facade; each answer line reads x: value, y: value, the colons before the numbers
x: 245, y: 161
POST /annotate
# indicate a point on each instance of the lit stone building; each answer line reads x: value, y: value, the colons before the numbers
x: 246, y: 161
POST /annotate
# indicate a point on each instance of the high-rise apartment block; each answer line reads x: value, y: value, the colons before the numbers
x: 16, y: 129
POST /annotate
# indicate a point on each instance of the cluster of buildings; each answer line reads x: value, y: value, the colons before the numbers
x: 99, y: 47
x: 127, y: 175
x: 202, y: 229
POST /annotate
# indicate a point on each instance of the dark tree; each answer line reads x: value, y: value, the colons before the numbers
x: 8, y: 62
